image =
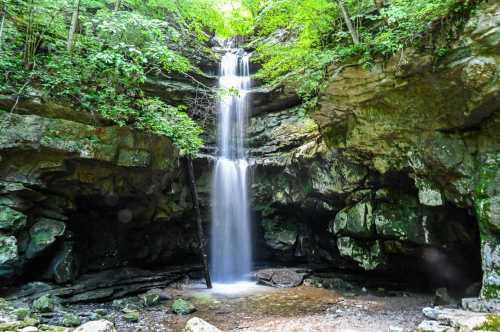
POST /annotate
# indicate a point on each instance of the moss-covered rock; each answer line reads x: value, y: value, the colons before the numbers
x: 44, y: 304
x: 10, y: 219
x: 70, y: 320
x: 43, y: 234
x: 183, y: 307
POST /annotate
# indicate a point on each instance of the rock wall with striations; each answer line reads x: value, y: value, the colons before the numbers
x: 397, y: 170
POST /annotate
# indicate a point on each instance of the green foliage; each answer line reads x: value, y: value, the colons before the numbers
x: 159, y: 118
x: 112, y: 55
x: 298, y: 39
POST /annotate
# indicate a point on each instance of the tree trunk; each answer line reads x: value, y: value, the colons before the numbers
x: 74, y: 24
x: 117, y: 5
x: 348, y: 22
x: 4, y: 14
x: 196, y: 206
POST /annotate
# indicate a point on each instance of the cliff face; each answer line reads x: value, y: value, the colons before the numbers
x: 80, y: 195
x: 395, y: 173
x: 398, y: 168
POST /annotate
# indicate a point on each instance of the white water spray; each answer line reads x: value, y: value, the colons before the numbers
x: 231, y: 252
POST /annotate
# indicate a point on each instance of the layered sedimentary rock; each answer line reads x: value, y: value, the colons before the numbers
x: 397, y: 170
x: 76, y: 197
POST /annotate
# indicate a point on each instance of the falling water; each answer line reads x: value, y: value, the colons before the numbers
x: 230, y: 242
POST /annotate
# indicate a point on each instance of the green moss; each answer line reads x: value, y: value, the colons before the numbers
x: 490, y: 291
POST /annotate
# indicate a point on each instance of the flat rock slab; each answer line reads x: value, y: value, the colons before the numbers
x: 455, y: 318
x: 281, y: 278
x: 102, y: 286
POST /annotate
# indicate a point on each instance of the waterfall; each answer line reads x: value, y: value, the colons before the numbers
x: 231, y: 252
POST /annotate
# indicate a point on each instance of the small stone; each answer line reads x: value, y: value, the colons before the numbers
x: 71, y: 320
x: 183, y: 307
x: 431, y: 313
x: 96, y: 326
x: 44, y: 304
x: 364, y: 290
x: 199, y: 325
x: 131, y: 315
x: 28, y: 329
x: 432, y: 326
x: 22, y: 313
x: 395, y: 329
x: 101, y: 312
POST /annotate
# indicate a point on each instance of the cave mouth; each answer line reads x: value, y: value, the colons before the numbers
x: 110, y: 232
x: 454, y: 264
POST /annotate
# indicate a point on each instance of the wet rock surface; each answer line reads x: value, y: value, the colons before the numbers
x: 281, y: 278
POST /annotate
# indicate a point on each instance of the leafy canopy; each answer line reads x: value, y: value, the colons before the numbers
x: 114, y: 53
x: 296, y: 40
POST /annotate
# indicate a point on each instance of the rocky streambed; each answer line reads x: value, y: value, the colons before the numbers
x: 316, y: 304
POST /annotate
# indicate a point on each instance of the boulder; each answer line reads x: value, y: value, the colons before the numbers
x: 96, y: 326
x: 196, y: 324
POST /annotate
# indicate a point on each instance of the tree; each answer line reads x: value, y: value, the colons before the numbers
x: 199, y: 226
x: 117, y: 5
x: 348, y: 22
x: 4, y: 14
x: 74, y: 24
